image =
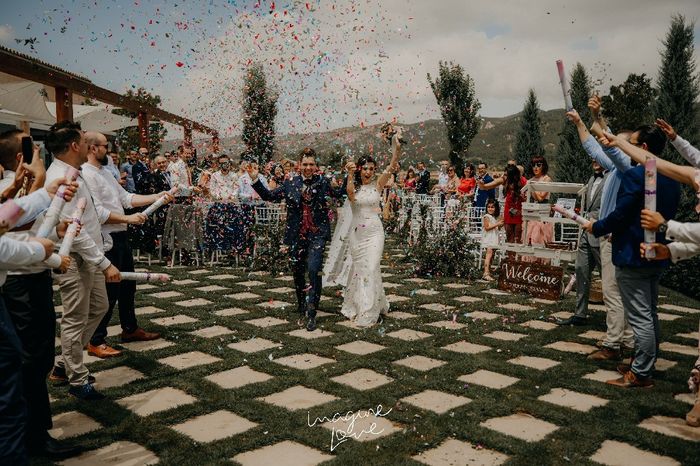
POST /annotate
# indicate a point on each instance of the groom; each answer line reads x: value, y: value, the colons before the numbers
x: 308, y: 227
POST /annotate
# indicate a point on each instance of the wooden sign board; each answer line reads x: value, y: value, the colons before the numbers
x: 541, y: 281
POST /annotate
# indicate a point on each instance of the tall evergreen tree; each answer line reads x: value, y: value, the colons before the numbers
x: 129, y: 138
x: 630, y: 104
x: 259, y: 112
x: 528, y: 142
x: 456, y: 96
x: 573, y: 164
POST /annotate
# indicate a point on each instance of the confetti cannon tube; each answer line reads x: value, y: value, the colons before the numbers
x: 159, y: 203
x: 570, y: 214
x: 650, y: 202
x: 72, y: 228
x: 10, y: 213
x: 54, y: 261
x: 564, y: 86
x: 54, y: 211
x: 145, y: 276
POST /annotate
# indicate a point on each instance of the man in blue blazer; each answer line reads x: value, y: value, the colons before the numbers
x: 308, y: 227
x: 637, y: 278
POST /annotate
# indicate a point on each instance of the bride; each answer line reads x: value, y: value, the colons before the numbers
x: 364, y: 298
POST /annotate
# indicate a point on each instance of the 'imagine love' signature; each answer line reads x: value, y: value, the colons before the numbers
x: 339, y: 436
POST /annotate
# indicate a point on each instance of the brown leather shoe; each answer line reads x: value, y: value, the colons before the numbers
x: 139, y: 335
x: 631, y: 380
x: 605, y: 354
x: 693, y: 416
x: 103, y: 351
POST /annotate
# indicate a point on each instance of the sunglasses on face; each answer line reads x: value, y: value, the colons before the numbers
x: 538, y: 164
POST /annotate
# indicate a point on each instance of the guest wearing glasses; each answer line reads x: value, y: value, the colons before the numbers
x: 539, y: 233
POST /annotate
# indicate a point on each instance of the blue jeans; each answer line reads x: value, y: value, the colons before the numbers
x: 307, y: 257
x: 639, y: 288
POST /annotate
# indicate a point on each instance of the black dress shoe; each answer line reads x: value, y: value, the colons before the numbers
x: 311, y: 324
x: 573, y: 320
x: 53, y: 449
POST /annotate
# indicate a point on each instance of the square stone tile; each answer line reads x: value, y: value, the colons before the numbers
x: 424, y: 292
x: 250, y: 283
x: 593, y: 335
x: 561, y: 315
x: 145, y: 310
x: 116, y: 377
x: 238, y: 377
x: 214, y: 426
x: 455, y: 286
x: 420, y: 363
x: 360, y: 347
x: 285, y: 278
x: 140, y: 346
x: 571, y: 347
x: 664, y: 364
x: 174, y: 320
x: 118, y: 453
x: 466, y: 347
x: 155, y: 401
x: 676, y: 348
x: 683, y: 309
x: 365, y: 427
x: 198, y: 271
x: 282, y: 290
x: 303, y: 361
x: 114, y: 330
x: 481, y: 315
x: 187, y: 281
x: 394, y: 298
x: 522, y: 426
x: 165, y: 294
x: 468, y: 299
x: 417, y: 280
x: 436, y: 307
x: 505, y: 336
x: 407, y: 334
x: 533, y: 362
x: 435, y: 401
x: 212, y: 332
x: 453, y: 452
x: 671, y: 426
x: 446, y: 324
x: 224, y: 276
x: 144, y: 287
x: 495, y: 292
x: 489, y: 379
x: 210, y: 288
x: 193, y: 302
x: 613, y: 453
x: 265, y: 322
x: 685, y: 398
x: 516, y: 307
x: 298, y: 397
x: 597, y: 307
x: 574, y: 400
x: 689, y: 336
x: 72, y: 424
x: 306, y: 335
x: 389, y: 285
x: 401, y: 315
x: 539, y: 325
x: 602, y: 375
x: 274, y: 304
x: 668, y: 317
x: 189, y: 359
x: 363, y: 379
x: 253, y: 345
x: 543, y: 301
x: 242, y: 296
x: 294, y: 454
x: 231, y: 311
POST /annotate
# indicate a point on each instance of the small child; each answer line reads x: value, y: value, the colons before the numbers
x: 489, y: 235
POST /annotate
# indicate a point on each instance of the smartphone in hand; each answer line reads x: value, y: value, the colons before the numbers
x: 27, y: 149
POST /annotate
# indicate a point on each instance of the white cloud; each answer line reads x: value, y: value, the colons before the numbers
x: 7, y: 33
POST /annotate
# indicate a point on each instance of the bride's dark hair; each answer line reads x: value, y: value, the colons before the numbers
x: 362, y: 161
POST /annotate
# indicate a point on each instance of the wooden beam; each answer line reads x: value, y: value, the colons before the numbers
x: 64, y: 104
x: 24, y: 126
x: 28, y: 68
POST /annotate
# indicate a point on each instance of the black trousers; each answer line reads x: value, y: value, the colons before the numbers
x: 307, y: 257
x: 29, y: 302
x: 13, y: 410
x: 123, y: 293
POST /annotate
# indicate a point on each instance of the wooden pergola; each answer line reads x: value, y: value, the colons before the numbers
x: 66, y: 84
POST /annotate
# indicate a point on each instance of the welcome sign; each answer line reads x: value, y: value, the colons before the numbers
x: 541, y: 281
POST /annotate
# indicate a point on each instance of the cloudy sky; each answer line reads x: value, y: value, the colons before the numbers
x: 341, y: 63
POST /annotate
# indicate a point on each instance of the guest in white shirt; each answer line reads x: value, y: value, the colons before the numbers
x: 180, y: 173
x: 223, y: 185
x: 246, y: 193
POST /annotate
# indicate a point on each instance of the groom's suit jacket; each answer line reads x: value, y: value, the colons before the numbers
x: 291, y: 191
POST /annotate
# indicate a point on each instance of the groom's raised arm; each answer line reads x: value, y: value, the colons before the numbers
x: 276, y: 195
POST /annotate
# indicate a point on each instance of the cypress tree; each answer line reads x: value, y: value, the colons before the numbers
x: 573, y: 164
x: 259, y: 112
x: 528, y: 142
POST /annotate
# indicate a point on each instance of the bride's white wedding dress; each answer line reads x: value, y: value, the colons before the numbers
x: 364, y: 297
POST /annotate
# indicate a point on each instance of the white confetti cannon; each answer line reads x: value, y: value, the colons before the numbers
x: 10, y: 213
x: 159, y: 203
x: 650, y: 202
x: 570, y: 214
x: 564, y: 86
x: 54, y: 211
x: 54, y: 261
x: 73, y: 227
x: 145, y: 276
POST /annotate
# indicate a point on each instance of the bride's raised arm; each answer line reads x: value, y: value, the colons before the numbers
x: 394, y: 164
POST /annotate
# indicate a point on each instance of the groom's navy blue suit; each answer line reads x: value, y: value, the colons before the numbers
x: 306, y: 237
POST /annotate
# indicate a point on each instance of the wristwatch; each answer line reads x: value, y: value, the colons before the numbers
x: 663, y: 227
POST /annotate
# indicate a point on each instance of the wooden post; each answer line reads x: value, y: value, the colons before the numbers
x: 187, y: 139
x: 64, y: 104
x: 143, y: 130
x: 24, y: 126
